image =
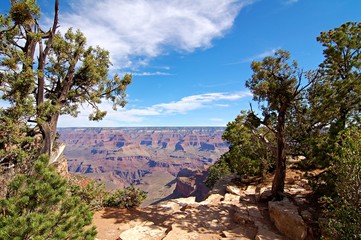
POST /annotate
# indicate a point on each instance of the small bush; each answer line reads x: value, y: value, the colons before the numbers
x: 129, y: 197
x: 93, y: 193
x: 216, y: 171
x: 251, y: 151
x: 344, y: 206
x: 38, y: 206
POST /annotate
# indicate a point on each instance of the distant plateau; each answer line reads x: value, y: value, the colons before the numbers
x: 165, y: 162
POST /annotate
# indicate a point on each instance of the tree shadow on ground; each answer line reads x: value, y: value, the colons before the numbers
x: 202, y: 219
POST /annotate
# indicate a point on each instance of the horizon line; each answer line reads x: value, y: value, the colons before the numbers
x: 151, y: 127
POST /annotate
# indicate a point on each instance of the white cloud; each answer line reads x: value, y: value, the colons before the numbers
x: 138, y: 115
x: 265, y: 54
x: 198, y: 101
x: 136, y: 30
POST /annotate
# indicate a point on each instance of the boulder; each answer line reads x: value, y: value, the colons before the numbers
x: 286, y: 218
x: 263, y: 194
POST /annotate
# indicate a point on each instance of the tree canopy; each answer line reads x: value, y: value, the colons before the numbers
x: 276, y: 86
x: 45, y: 74
x: 315, y: 114
x: 337, y: 93
x: 307, y: 116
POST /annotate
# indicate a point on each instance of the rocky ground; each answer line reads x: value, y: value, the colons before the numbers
x: 232, y: 210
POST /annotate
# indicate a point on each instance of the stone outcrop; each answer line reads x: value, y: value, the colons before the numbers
x: 227, y: 213
x: 144, y: 231
x: 58, y: 160
x: 231, y: 210
x: 286, y: 218
x: 191, y: 182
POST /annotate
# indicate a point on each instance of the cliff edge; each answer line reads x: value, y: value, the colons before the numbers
x: 232, y: 210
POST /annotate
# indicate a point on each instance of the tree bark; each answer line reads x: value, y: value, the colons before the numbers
x: 280, y: 175
x: 48, y: 131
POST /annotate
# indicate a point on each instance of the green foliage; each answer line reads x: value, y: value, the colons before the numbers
x: 47, y: 74
x: 93, y: 194
x: 335, y: 98
x: 344, y: 210
x: 89, y: 82
x: 251, y: 151
x: 274, y: 82
x: 38, y: 206
x: 216, y: 172
x: 130, y: 197
x: 24, y: 12
x: 276, y: 85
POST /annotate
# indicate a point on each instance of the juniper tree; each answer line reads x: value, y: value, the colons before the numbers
x: 336, y: 95
x: 276, y: 85
x: 44, y: 74
x: 251, y: 151
x: 335, y: 98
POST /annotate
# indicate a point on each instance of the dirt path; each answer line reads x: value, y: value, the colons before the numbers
x: 234, y: 215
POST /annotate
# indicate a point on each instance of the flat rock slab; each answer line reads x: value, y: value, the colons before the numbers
x: 179, y: 233
x: 241, y: 233
x: 147, y: 231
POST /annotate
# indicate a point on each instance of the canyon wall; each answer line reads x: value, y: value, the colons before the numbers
x: 123, y: 156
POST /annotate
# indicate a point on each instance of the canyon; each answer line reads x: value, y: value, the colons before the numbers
x: 166, y: 162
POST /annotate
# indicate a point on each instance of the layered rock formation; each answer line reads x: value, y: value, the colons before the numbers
x: 191, y: 182
x: 123, y: 156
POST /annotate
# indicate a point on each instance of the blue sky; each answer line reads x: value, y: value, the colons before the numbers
x: 190, y: 58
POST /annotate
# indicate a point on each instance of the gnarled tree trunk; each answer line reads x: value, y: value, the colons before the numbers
x: 280, y: 175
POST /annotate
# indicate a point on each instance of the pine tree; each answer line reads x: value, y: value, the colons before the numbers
x: 276, y: 86
x: 46, y: 74
x: 38, y: 205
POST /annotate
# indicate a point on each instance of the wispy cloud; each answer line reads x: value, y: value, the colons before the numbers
x: 262, y: 55
x: 258, y: 56
x: 138, y: 115
x: 142, y: 74
x: 222, y: 105
x: 134, y: 31
x: 198, y: 101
